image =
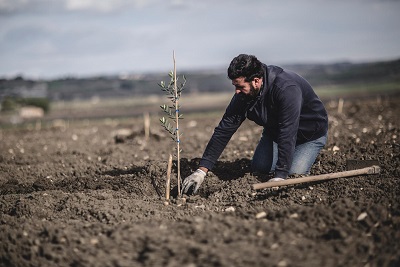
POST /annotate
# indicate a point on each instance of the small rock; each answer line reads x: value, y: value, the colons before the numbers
x: 261, y: 215
x: 180, y: 201
x: 94, y: 241
x: 362, y: 216
x: 243, y: 138
x: 282, y: 263
x: 294, y: 216
x: 192, y: 124
x: 230, y: 209
x: 274, y: 246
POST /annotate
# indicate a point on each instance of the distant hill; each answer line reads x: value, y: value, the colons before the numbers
x: 345, y: 73
x: 197, y: 81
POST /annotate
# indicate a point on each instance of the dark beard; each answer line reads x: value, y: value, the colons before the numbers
x: 253, y: 92
x: 251, y: 95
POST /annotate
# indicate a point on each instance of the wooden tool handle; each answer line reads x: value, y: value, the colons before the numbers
x: 368, y: 170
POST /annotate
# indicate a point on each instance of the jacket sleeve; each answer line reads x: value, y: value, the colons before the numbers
x: 234, y: 115
x: 289, y: 101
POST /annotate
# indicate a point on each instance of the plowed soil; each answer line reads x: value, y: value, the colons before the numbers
x: 85, y: 194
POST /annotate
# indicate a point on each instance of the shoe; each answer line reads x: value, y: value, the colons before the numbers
x: 276, y: 180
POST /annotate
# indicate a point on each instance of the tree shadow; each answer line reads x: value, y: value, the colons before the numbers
x: 224, y: 170
x: 156, y: 172
x: 232, y: 170
x: 118, y: 172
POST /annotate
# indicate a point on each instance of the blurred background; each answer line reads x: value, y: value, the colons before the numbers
x: 96, y: 58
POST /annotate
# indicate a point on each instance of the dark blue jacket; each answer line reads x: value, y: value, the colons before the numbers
x: 286, y: 106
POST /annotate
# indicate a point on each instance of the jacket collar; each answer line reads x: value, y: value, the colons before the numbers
x: 270, y: 73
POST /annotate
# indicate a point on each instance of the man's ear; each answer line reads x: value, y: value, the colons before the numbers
x: 257, y: 82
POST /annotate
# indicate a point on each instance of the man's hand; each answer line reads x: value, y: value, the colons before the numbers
x: 276, y: 179
x: 195, y: 179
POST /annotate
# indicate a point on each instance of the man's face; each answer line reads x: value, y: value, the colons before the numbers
x: 249, y: 89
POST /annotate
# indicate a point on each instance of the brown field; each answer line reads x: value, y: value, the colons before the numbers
x: 78, y: 194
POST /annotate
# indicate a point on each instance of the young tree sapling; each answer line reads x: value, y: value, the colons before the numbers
x: 174, y: 91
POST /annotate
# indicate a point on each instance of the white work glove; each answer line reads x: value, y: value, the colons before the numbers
x: 276, y: 179
x: 195, y: 179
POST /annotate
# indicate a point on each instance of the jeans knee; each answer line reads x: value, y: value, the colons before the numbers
x: 259, y: 168
x: 300, y: 168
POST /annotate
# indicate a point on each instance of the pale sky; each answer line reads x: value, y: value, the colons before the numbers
x: 58, y: 38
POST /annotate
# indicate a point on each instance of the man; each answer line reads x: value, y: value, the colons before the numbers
x: 294, y: 119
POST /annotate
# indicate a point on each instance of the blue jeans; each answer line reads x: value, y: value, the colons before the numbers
x: 266, y: 155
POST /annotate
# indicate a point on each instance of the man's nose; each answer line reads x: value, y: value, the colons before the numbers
x: 237, y: 91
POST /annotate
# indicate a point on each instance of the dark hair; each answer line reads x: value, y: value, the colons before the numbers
x: 247, y: 66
